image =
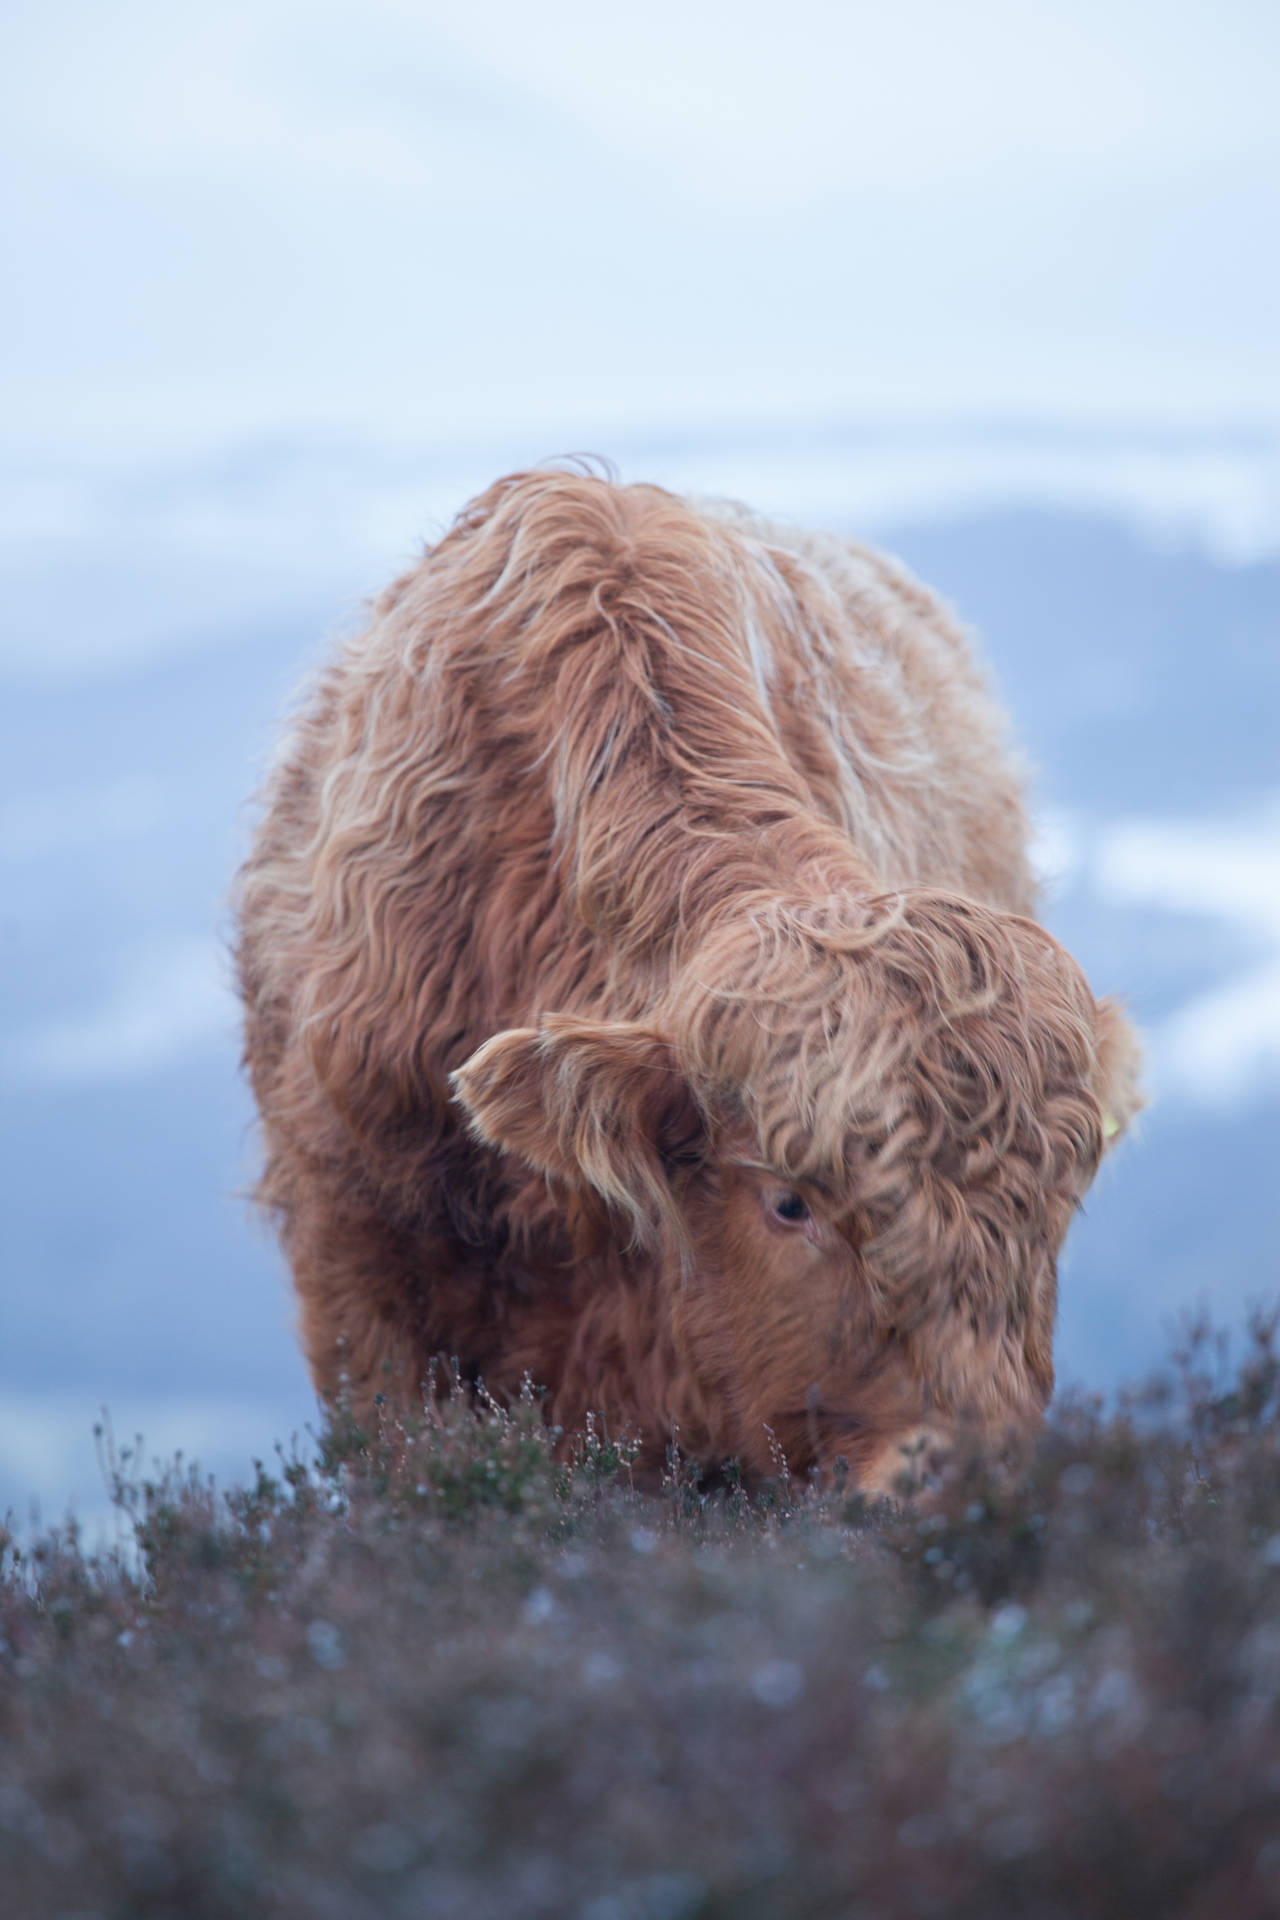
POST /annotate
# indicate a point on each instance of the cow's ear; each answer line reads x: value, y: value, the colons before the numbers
x: 600, y: 1104
x: 1119, y: 1068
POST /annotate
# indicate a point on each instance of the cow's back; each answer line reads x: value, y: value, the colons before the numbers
x: 888, y: 706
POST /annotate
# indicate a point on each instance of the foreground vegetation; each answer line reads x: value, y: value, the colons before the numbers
x: 458, y: 1677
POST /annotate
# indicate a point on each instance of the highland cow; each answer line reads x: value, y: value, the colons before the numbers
x: 643, y: 994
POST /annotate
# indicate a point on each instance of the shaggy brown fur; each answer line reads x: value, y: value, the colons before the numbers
x: 641, y: 992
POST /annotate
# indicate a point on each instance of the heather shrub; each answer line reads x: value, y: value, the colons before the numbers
x: 454, y: 1666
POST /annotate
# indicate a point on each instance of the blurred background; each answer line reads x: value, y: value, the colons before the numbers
x: 995, y: 286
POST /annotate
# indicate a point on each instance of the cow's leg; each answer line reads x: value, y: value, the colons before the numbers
x: 364, y: 1285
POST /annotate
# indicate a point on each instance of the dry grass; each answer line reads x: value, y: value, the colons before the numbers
x: 457, y: 1677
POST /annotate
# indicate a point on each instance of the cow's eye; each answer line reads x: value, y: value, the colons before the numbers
x: 789, y: 1207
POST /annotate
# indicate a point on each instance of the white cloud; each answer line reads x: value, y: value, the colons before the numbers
x: 1223, y: 1046
x: 1226, y: 868
x: 1056, y: 849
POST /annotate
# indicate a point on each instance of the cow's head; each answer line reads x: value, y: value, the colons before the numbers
x: 855, y: 1135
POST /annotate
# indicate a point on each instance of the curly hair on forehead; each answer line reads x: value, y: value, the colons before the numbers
x: 641, y: 989
x: 839, y: 1018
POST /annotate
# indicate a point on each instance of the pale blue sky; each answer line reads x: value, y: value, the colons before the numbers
x: 408, y: 216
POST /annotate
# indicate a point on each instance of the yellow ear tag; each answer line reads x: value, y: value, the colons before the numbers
x: 1110, y: 1126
